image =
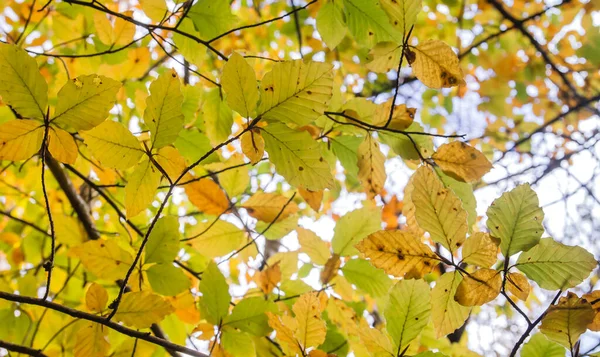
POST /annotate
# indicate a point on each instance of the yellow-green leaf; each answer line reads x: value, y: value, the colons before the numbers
x: 435, y: 64
x: 141, y: 309
x: 91, y: 340
x: 438, y: 210
x: 402, y: 13
x: 516, y: 219
x: 20, y: 139
x: 368, y: 23
x: 567, y: 320
x: 371, y: 167
x: 554, y: 265
x: 330, y: 23
x: 353, y: 227
x: 168, y: 280
x: 384, y: 57
x: 480, y: 250
x: 164, y: 115
x: 539, y: 346
x: 22, y: 86
x: 141, y: 188
x: 163, y: 242
x: 407, y: 311
x: 113, y: 145
x: 479, y: 288
x: 313, y: 246
x: 398, y: 253
x: 447, y: 314
x: 239, y: 83
x: 104, y: 258
x: 461, y: 161
x: 217, y: 116
x: 297, y: 157
x: 269, y: 206
x: 295, y: 92
x: 311, y: 328
x: 216, y: 239
x: 61, y: 145
x: 84, y: 102
x: 215, y: 294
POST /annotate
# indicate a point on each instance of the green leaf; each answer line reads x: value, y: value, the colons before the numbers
x: 353, y: 227
x: 330, y: 23
x: 516, y: 219
x: 113, y: 145
x: 239, y: 83
x: 193, y: 145
x: 404, y: 147
x: 464, y: 191
x: 249, y: 316
x: 402, y: 13
x: 407, y: 311
x: 447, y: 314
x: 21, y: 85
x: 167, y: 280
x: 297, y: 157
x: 141, y: 188
x: 214, y: 304
x: 164, y: 115
x: 238, y: 343
x: 295, y: 92
x: 346, y: 149
x: 163, y: 242
x: 212, y: 17
x: 217, y: 116
x: 85, y: 101
x: 554, y: 265
x: 368, y: 23
x: 366, y: 277
x: 539, y: 346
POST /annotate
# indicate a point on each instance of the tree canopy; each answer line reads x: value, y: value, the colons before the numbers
x: 299, y: 178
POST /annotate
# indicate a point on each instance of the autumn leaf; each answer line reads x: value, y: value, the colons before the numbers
x: 20, y: 139
x: 435, y: 64
x: 567, y: 320
x: 480, y: 249
x: 269, y: 207
x: 113, y: 145
x: 461, y: 161
x: 206, y: 195
x: 311, y: 328
x: 408, y: 310
x: 371, y: 169
x: 253, y: 145
x: 479, y: 288
x: 239, y: 83
x: 141, y: 309
x: 447, y: 314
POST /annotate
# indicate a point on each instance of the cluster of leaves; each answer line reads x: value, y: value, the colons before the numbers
x: 173, y: 197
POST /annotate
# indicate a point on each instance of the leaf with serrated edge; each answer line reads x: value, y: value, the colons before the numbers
x: 296, y: 92
x: 479, y: 288
x: 516, y: 219
x: 21, y: 85
x: 397, y: 253
x: 313, y: 246
x: 539, y: 346
x: 215, y: 239
x: 311, y: 329
x: 84, y: 102
x: 407, y: 311
x: 141, y: 188
x: 104, y: 258
x: 206, y: 195
x: 447, y: 314
x: 164, y: 114
x: 353, y: 227
x: 402, y: 13
x: 435, y: 64
x: 239, y: 83
x: 297, y: 157
x: 113, y: 145
x: 141, y: 309
x: 554, y: 265
x: 163, y: 241
x: 371, y: 167
x: 567, y: 320
x: 461, y: 161
x: 438, y: 210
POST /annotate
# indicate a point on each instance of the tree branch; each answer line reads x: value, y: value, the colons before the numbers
x: 21, y: 349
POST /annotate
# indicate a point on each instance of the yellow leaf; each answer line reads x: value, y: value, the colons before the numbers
x: 518, y: 285
x: 104, y: 258
x: 594, y: 299
x: 207, y: 331
x: 461, y: 161
x: 295, y: 92
x: 20, y: 139
x: 330, y: 269
x: 311, y: 328
x: 266, y: 206
x: 239, y: 83
x: 402, y: 13
x: 103, y: 27
x: 313, y: 198
x: 567, y: 320
x: 234, y: 176
x: 141, y: 188
x: 435, y: 64
x: 123, y: 30
x: 268, y: 278
x: 253, y: 145
x: 480, y: 249
x: 284, y: 328
x: 447, y: 314
x: 438, y: 210
x: 61, y: 145
x: 163, y: 114
x: 398, y: 253
x: 113, y: 145
x: 155, y: 9
x: 96, y: 298
x: 402, y: 117
x: 408, y: 209
x: 377, y: 342
x: 479, y: 288
x: 384, y: 57
x: 313, y: 246
x: 22, y: 86
x: 142, y: 308
x: 371, y: 168
x: 91, y: 341
x: 207, y: 196
x: 171, y: 161
x: 215, y: 239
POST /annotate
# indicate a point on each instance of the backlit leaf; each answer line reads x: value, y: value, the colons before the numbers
x: 269, y: 206
x: 479, y: 288
x: 249, y: 315
x: 368, y: 23
x: 480, y: 250
x: 239, y: 83
x: 402, y: 13
x: 163, y: 114
x: 215, y: 239
x: 367, y: 278
x: 407, y: 311
x: 96, y: 298
x: 371, y: 168
x: 141, y: 309
x: 518, y: 285
x: 253, y: 145
x: 353, y: 227
x: 311, y: 329
x: 141, y: 188
x: 113, y: 145
x: 447, y: 314
x: 539, y: 346
x: 330, y: 23
x: 567, y: 320
x: 61, y: 145
x: 20, y: 139
x: 435, y: 64
x: 104, y: 258
x: 313, y: 246
x: 215, y: 294
x: 91, y: 341
x: 206, y: 195
x: 165, y: 279
x: 461, y: 161
x: 163, y: 242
